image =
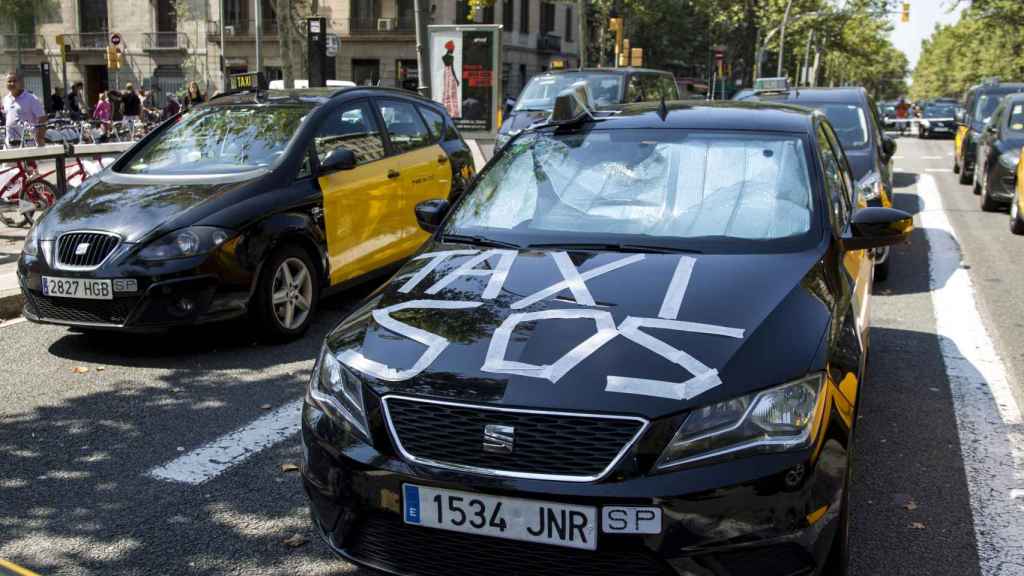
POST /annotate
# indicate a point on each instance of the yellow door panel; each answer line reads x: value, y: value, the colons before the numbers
x: 958, y: 140
x: 861, y: 268
x: 426, y: 175
x: 361, y: 208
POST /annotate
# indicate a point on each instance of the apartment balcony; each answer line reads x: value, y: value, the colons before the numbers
x: 378, y: 26
x: 23, y: 42
x: 240, y: 30
x: 88, y: 41
x: 549, y: 43
x: 165, y: 41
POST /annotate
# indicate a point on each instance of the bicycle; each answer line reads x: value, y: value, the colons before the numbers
x: 23, y: 188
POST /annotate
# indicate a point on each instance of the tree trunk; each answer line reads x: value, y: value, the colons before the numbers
x: 285, y: 35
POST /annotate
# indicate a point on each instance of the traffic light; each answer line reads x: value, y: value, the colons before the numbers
x: 113, y: 58
x: 65, y: 49
x: 905, y: 13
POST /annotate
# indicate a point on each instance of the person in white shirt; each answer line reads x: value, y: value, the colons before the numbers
x: 20, y: 107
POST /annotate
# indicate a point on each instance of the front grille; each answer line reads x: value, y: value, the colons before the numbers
x: 114, y: 311
x: 388, y: 543
x: 583, y: 447
x: 95, y: 247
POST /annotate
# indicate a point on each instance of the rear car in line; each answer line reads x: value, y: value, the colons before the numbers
x: 937, y: 119
x: 608, y: 87
x: 978, y: 105
x: 853, y: 114
x: 257, y: 202
x: 999, y: 146
x: 634, y: 346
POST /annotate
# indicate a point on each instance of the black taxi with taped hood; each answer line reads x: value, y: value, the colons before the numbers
x: 633, y: 347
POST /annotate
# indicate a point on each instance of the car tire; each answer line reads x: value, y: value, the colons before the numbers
x: 965, y: 178
x: 987, y: 203
x: 882, y: 269
x: 1016, y: 219
x: 286, y: 295
x: 976, y: 180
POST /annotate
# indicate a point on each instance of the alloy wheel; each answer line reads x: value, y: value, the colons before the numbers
x: 292, y: 293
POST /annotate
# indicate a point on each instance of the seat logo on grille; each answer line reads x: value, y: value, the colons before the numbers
x: 499, y: 439
x: 81, y: 249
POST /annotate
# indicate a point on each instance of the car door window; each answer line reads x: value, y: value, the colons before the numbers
x: 834, y: 184
x: 435, y: 122
x: 634, y: 90
x: 354, y: 127
x: 404, y: 126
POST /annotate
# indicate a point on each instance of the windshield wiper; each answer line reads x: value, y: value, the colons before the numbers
x: 615, y: 247
x: 480, y: 240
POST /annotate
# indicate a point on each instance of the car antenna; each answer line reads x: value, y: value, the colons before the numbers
x: 662, y: 109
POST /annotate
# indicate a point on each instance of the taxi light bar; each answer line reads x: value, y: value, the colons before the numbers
x: 252, y: 81
x: 762, y: 85
x: 572, y: 105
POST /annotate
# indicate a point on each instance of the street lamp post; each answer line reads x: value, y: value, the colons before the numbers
x: 423, y: 47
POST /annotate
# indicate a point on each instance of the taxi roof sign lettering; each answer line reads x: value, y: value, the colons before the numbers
x: 248, y: 81
x: 771, y: 85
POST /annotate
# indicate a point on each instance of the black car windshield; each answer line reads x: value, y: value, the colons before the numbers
x: 939, y: 111
x: 1016, y: 122
x: 659, y: 186
x: 848, y: 120
x: 986, y: 105
x: 605, y: 89
x: 220, y: 140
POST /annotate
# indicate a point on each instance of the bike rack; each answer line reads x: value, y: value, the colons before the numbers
x: 59, y: 153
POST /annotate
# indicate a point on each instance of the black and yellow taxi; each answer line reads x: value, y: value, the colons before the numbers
x: 979, y: 103
x: 635, y: 345
x: 256, y: 203
x: 999, y: 146
x: 1017, y: 204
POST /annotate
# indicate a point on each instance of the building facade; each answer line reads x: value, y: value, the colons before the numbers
x: 167, y: 43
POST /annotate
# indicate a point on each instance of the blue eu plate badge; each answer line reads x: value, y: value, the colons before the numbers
x: 412, y: 504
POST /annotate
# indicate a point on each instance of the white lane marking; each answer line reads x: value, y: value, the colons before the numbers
x: 897, y: 157
x: 939, y: 170
x: 988, y: 419
x: 931, y: 157
x: 210, y: 460
x: 12, y: 322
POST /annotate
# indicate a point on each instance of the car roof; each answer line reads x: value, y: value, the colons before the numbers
x: 702, y: 115
x: 620, y: 71
x: 1002, y: 87
x: 314, y: 96
x: 843, y: 95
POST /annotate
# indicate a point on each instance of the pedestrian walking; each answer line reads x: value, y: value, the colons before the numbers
x: 193, y: 97
x: 132, y: 108
x: 21, y: 107
x: 56, y: 101
x: 103, y: 113
x: 172, y: 107
x: 75, y: 103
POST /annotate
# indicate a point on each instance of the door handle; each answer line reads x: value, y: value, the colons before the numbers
x: 442, y: 158
x: 392, y: 174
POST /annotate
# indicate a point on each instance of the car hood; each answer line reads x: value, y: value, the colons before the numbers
x: 134, y: 207
x: 744, y: 322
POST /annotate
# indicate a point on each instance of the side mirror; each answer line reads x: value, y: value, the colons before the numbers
x: 338, y: 159
x: 430, y: 214
x: 876, y: 227
x: 888, y: 147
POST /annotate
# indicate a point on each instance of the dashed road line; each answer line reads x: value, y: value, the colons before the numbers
x: 988, y: 418
x: 943, y: 170
x: 931, y: 157
x: 232, y: 449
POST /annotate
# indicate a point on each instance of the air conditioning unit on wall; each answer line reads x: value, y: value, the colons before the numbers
x: 385, y: 24
x: 229, y: 30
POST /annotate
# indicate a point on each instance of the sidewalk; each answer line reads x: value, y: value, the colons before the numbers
x: 11, y: 240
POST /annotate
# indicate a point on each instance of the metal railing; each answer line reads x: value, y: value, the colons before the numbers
x: 88, y: 40
x: 240, y: 29
x: 165, y: 41
x: 14, y: 42
x: 59, y: 153
x: 549, y: 43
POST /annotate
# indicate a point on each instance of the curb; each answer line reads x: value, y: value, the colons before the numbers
x: 11, y: 302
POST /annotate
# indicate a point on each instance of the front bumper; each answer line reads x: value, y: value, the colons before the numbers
x: 765, y: 515
x: 173, y: 293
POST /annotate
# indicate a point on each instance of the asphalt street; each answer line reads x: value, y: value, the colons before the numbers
x: 86, y: 419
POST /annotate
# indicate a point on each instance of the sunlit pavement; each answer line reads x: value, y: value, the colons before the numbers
x: 88, y: 422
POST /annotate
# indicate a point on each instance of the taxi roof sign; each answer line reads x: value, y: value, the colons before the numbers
x: 771, y: 85
x: 253, y: 81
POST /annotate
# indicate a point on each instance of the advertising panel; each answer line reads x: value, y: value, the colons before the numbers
x: 464, y: 64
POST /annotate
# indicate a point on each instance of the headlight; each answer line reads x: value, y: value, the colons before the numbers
x: 925, y: 123
x: 184, y: 243
x: 870, y: 187
x: 31, y: 245
x: 338, y: 392
x: 774, y: 420
x: 1009, y: 160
